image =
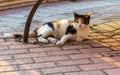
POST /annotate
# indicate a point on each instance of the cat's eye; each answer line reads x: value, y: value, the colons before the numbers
x: 77, y: 20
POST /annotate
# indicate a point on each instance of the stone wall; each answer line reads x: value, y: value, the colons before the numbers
x: 6, y: 4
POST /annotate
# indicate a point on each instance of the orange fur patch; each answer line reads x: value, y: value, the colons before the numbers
x: 70, y: 21
x: 38, y: 28
x: 58, y: 23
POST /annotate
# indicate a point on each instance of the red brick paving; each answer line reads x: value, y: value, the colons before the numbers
x: 96, y: 56
x: 77, y: 59
x: 99, y: 55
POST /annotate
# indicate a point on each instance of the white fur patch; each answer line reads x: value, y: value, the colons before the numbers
x: 42, y: 40
x: 7, y: 35
x: 53, y: 40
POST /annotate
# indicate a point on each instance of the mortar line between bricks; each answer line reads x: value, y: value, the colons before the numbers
x: 63, y: 72
x: 91, y: 60
x: 104, y: 72
x: 49, y: 68
x: 100, y: 69
x: 41, y: 71
x: 87, y: 71
x: 10, y: 70
x: 33, y: 60
x: 14, y: 53
x: 17, y: 70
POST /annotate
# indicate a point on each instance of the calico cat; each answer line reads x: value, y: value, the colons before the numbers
x: 61, y: 31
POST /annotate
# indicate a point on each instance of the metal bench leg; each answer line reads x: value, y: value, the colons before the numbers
x: 29, y: 19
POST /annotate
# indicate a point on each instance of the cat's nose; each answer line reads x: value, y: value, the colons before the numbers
x: 80, y: 25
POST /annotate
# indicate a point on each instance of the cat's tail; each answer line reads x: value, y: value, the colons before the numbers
x: 18, y: 36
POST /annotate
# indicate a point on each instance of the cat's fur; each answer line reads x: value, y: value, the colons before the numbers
x: 61, y: 31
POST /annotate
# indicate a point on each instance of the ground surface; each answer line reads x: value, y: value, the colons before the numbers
x: 99, y: 55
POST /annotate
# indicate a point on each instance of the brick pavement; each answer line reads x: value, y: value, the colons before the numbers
x: 98, y: 55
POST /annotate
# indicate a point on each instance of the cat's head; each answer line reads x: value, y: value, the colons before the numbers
x: 82, y: 20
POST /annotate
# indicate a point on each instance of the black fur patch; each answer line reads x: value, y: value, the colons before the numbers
x: 17, y: 36
x: 50, y: 24
x: 38, y: 37
x: 50, y: 36
x: 71, y: 30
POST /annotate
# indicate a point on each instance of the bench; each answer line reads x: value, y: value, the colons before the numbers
x: 29, y: 19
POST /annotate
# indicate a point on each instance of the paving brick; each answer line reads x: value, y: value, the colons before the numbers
x: 1, y: 40
x: 16, y: 43
x: 5, y: 43
x: 86, y: 73
x: 115, y: 71
x: 23, y: 46
x: 97, y: 36
x: 116, y: 37
x: 44, y: 49
x: 104, y: 44
x: 17, y: 46
x: 74, y: 62
x: 113, y: 24
x: 76, y: 47
x: 117, y: 32
x: 97, y: 45
x: 16, y: 62
x: 49, y: 45
x: 51, y: 58
x: 114, y: 43
x: 57, y: 74
x: 3, y: 47
x: 105, y: 27
x: 25, y: 72
x: 105, y: 59
x: 90, y: 55
x: 107, y: 34
x: 29, y: 55
x: 117, y: 22
x: 109, y: 40
x: 63, y: 52
x: 8, y: 68
x: 117, y: 63
x: 87, y: 41
x: 94, y: 50
x: 37, y: 65
x: 3, y: 52
x: 5, y: 57
x: 97, y: 66
x: 60, y: 69
x: 116, y: 48
x: 111, y: 53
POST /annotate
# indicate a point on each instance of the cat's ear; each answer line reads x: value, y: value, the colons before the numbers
x: 76, y: 15
x: 89, y: 14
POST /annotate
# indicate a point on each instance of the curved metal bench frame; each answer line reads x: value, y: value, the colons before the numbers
x: 29, y: 19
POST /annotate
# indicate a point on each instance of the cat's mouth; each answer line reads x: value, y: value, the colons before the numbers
x: 80, y: 26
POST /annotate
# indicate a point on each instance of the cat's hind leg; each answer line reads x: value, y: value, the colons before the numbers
x: 44, y: 32
x: 42, y: 40
x: 52, y: 39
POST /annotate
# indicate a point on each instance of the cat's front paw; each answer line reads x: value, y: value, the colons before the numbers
x: 79, y: 39
x: 42, y: 40
x: 59, y: 43
x: 53, y: 40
